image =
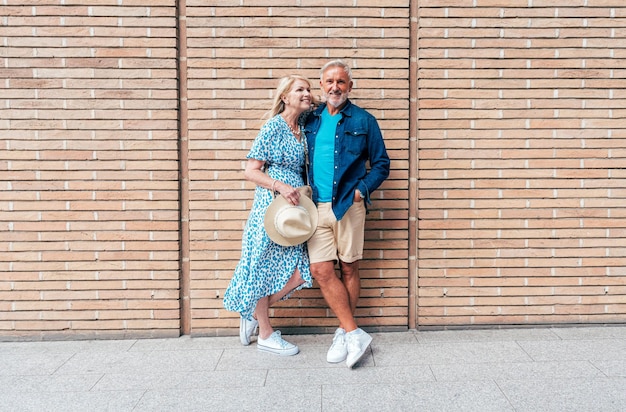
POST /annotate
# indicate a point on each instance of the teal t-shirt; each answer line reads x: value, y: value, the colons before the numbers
x: 324, y: 157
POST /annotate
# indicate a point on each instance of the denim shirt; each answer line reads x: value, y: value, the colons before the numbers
x: 358, y: 140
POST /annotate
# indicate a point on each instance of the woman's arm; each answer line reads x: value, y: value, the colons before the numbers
x: 255, y: 174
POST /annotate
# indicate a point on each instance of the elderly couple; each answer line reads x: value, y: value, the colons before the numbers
x: 348, y: 161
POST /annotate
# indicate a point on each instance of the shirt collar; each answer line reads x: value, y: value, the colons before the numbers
x: 346, y: 111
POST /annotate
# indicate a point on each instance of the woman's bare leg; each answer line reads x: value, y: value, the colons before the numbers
x: 261, y: 313
x: 294, y: 281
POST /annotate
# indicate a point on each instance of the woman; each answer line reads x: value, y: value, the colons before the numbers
x: 268, y: 272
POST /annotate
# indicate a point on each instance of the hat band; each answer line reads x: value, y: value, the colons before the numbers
x: 292, y: 222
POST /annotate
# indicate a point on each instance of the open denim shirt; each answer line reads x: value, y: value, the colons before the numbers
x: 358, y: 140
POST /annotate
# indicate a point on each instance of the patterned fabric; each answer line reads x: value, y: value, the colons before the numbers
x: 265, y: 267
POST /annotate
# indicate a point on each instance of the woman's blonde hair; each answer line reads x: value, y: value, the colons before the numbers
x: 285, y: 84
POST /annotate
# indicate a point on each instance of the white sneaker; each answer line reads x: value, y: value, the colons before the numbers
x: 277, y: 345
x: 246, y: 330
x: 338, y: 350
x: 358, y: 342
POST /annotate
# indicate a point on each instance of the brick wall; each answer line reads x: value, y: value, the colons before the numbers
x: 88, y: 169
x: 522, y: 130
x: 236, y: 55
x: 124, y: 127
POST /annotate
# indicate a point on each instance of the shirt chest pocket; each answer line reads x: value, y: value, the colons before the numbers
x: 355, y: 141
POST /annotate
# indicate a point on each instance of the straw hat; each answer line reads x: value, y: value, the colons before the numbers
x: 290, y: 225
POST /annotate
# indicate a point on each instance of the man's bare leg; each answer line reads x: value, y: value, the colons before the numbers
x: 351, y: 281
x: 335, y: 293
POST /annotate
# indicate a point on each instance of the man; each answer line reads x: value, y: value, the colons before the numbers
x: 342, y: 139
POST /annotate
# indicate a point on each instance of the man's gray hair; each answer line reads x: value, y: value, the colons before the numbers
x: 336, y: 63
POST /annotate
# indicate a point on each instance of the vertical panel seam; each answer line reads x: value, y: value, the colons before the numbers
x: 183, y: 153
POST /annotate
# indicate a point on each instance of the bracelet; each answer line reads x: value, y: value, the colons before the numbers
x: 273, y: 184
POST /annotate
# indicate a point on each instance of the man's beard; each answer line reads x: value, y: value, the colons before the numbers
x: 342, y: 99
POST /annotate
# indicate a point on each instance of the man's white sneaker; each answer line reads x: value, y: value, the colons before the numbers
x: 338, y: 350
x: 358, y: 342
x: 246, y: 329
x: 277, y: 345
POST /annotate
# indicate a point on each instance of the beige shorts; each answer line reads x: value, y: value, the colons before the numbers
x: 341, y: 239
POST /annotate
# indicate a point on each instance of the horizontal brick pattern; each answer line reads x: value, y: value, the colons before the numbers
x: 236, y: 55
x: 522, y: 129
x: 88, y: 169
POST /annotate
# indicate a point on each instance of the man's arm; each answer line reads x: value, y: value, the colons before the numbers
x: 378, y: 159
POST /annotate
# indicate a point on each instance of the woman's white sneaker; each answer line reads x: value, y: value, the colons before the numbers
x: 339, y: 349
x: 246, y: 330
x: 277, y: 345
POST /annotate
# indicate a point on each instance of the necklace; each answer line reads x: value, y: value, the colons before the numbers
x: 297, y: 134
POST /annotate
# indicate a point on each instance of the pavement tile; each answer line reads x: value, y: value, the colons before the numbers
x: 560, y: 395
x: 449, y: 352
x: 66, y: 346
x: 591, y: 332
x: 47, y: 383
x: 120, y: 401
x: 514, y: 370
x: 345, y: 376
x: 184, y: 343
x: 182, y: 380
x: 612, y: 367
x: 32, y: 363
x: 310, y: 340
x: 568, y: 350
x: 298, y: 398
x: 392, y: 338
x: 490, y: 335
x: 137, y: 362
x: 423, y: 396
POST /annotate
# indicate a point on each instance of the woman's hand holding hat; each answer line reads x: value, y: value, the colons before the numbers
x: 290, y: 225
x: 288, y: 192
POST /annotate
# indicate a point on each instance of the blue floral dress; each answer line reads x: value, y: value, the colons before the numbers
x: 265, y: 267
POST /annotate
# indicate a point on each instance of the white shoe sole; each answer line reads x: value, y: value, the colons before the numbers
x: 336, y: 360
x: 281, y: 352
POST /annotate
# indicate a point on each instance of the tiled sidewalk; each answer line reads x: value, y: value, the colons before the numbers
x: 551, y: 369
